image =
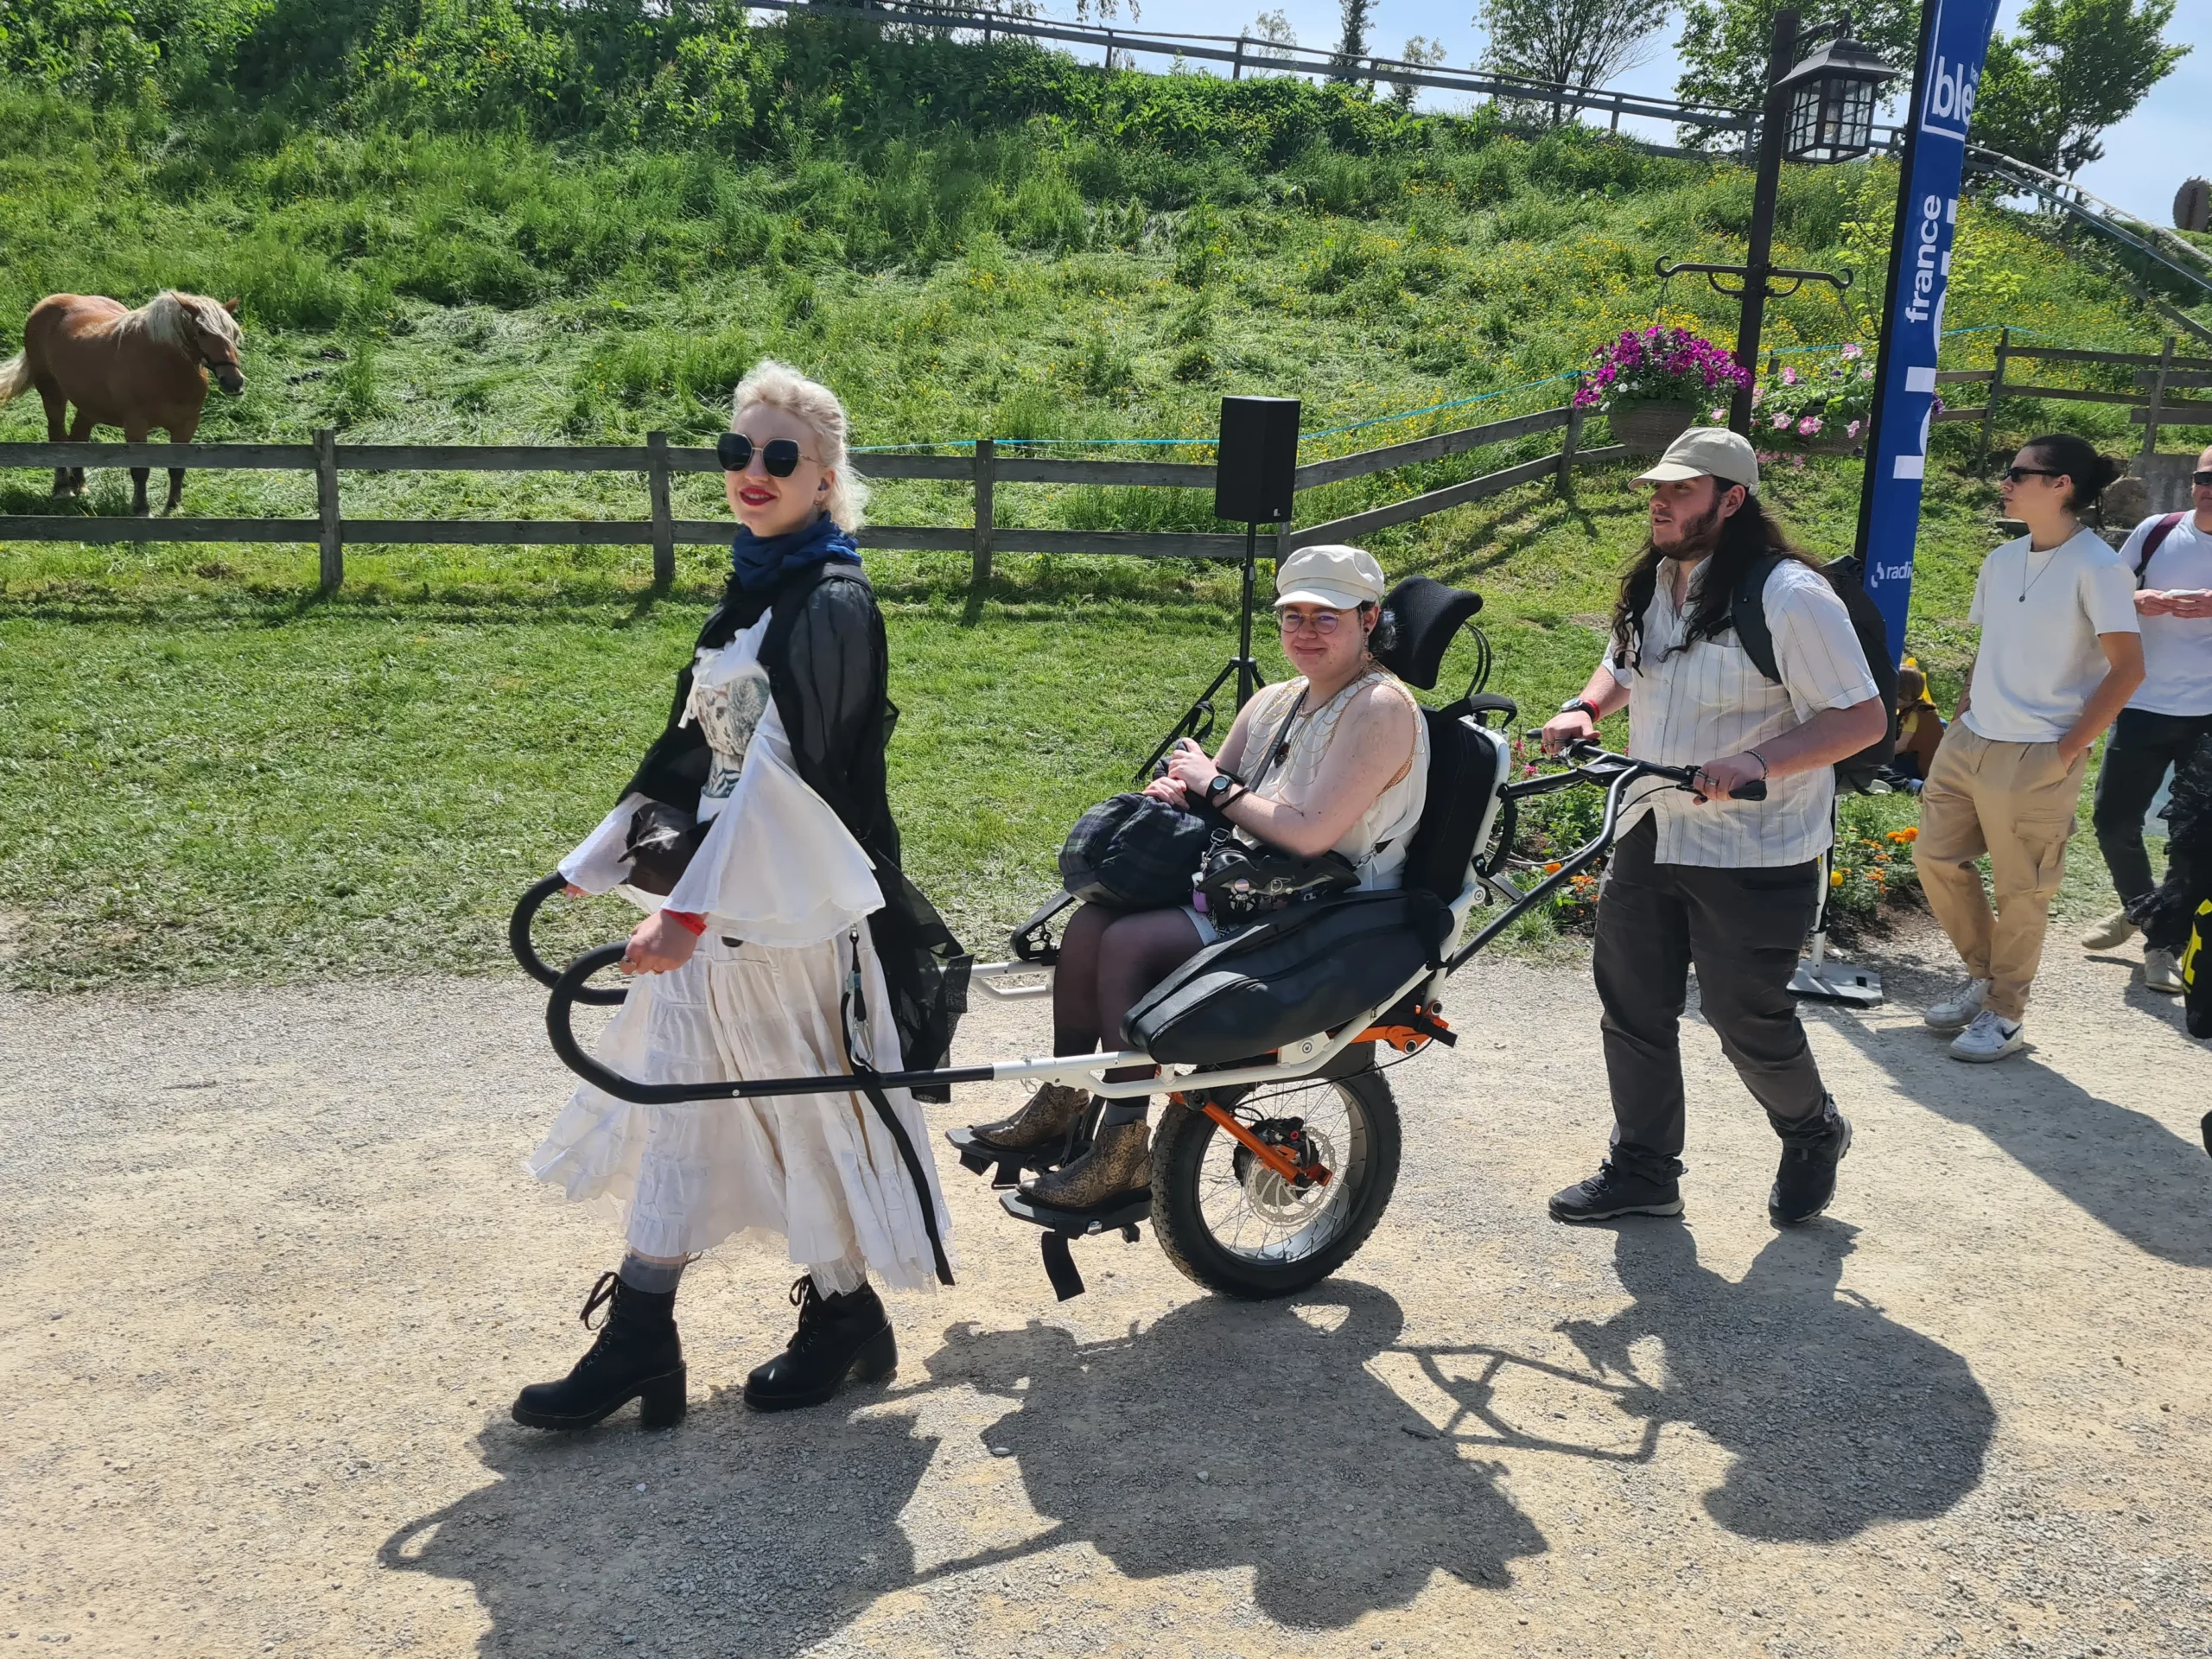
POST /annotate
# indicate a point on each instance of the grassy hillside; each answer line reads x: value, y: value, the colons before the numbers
x: 211, y: 773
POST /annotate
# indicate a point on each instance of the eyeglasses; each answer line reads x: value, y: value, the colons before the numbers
x: 2203, y: 481
x: 780, y: 456
x: 2014, y: 474
x: 1322, y: 622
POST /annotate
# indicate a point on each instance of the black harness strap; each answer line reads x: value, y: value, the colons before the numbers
x: 851, y: 1004
x: 1059, y: 1266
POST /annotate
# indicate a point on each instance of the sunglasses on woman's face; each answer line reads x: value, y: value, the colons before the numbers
x: 780, y: 456
x: 2015, y: 474
x: 2203, y: 481
x: 1322, y: 622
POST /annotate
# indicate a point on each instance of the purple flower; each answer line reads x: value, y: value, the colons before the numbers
x: 1789, y: 376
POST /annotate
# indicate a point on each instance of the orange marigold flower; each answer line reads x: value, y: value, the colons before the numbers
x: 1552, y: 868
x: 1909, y: 833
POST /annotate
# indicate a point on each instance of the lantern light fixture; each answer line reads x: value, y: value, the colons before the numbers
x: 1831, y: 96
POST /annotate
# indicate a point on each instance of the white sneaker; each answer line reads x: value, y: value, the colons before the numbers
x: 1953, y: 1011
x: 2161, y: 972
x: 2115, y: 929
x: 1990, y: 1037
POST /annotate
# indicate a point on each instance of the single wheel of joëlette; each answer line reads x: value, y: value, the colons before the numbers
x: 1234, y: 1225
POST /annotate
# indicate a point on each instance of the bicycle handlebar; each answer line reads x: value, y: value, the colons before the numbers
x: 1587, y: 752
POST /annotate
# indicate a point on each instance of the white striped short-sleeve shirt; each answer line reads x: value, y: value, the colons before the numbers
x: 1711, y: 701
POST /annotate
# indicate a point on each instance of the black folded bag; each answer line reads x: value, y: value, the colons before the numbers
x: 1135, y: 853
x: 1303, y: 970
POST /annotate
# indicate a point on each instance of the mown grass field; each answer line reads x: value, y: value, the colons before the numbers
x: 210, y: 773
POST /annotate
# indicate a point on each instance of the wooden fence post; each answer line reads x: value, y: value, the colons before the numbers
x: 987, y: 463
x: 1565, y: 484
x: 2157, y: 398
x: 664, y: 516
x: 329, y: 538
x: 1995, y: 391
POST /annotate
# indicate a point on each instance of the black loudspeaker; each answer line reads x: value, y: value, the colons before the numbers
x: 1257, y: 473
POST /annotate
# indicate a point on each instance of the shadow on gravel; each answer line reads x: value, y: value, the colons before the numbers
x: 1336, y: 1492
x: 761, y: 1537
x: 1838, y: 1418
x: 2131, y: 1171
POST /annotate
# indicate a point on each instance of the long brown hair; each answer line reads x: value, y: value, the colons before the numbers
x: 1746, y: 534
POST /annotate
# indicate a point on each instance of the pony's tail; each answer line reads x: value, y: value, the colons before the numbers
x: 15, y: 376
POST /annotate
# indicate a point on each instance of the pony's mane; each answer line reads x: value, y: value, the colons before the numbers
x: 161, y: 318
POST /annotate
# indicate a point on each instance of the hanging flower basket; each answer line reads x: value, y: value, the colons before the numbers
x: 1655, y: 385
x: 1647, y: 428
x: 1820, y: 409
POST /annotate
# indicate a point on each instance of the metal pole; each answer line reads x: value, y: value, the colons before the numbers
x: 1244, y: 617
x: 1773, y: 117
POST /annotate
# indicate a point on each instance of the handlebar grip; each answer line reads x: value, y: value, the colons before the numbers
x: 1754, y: 791
x: 569, y: 990
x: 526, y: 952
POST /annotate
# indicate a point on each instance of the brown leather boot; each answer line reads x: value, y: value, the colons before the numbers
x: 1045, y: 1119
x: 1118, y: 1164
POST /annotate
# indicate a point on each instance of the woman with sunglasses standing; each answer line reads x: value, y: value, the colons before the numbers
x: 2061, y: 653
x: 788, y: 942
x: 1336, y: 760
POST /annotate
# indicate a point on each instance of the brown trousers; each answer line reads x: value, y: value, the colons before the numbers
x: 2014, y: 802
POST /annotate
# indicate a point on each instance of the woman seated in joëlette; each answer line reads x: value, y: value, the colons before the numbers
x: 772, y: 766
x: 1336, y: 760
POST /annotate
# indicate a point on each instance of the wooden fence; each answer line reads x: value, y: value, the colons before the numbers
x: 2158, y: 375
x: 660, y: 461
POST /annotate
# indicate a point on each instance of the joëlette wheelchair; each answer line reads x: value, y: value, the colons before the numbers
x: 1279, y: 1146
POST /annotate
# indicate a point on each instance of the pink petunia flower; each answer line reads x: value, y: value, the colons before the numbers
x: 1782, y: 422
x: 1852, y: 430
x: 1809, y: 427
x: 1719, y: 416
x: 1854, y: 351
x: 1788, y: 376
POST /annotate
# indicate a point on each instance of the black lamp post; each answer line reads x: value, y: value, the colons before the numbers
x: 1821, y: 110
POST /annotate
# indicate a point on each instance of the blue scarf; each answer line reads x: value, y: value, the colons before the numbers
x: 761, y: 562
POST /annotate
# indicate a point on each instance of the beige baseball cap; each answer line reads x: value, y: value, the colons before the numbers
x: 1708, y: 452
x: 1342, y: 578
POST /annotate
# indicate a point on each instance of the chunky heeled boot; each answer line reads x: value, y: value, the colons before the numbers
x: 837, y: 1337
x: 1050, y: 1113
x: 637, y: 1356
x: 1118, y: 1167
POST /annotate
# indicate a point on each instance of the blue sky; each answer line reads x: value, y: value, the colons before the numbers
x: 2147, y: 157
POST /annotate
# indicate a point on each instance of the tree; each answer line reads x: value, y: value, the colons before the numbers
x: 2075, y: 67
x: 1725, y: 44
x: 1272, y: 33
x: 1422, y: 54
x: 1351, y: 44
x: 1578, y: 43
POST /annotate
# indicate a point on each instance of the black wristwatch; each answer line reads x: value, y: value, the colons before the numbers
x: 1218, y: 791
x: 1585, y: 706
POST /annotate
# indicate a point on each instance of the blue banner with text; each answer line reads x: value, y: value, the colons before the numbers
x: 1954, y: 39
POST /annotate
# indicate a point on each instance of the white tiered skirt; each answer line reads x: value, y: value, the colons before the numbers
x: 821, y: 1173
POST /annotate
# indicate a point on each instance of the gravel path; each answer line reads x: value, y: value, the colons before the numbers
x: 276, y: 1275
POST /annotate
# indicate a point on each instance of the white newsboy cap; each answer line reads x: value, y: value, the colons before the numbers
x: 1341, y: 578
x: 1708, y: 452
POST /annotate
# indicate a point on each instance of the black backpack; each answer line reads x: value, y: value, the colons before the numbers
x: 1855, y: 774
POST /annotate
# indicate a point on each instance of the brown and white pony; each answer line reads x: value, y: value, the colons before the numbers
x: 137, y: 370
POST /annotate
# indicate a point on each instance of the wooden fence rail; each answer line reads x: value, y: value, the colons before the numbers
x: 2150, y: 404
x: 659, y: 460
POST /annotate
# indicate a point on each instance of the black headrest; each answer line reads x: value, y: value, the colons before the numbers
x: 1426, y: 615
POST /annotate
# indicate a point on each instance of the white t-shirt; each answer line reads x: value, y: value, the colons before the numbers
x: 2177, y: 650
x: 2040, y: 614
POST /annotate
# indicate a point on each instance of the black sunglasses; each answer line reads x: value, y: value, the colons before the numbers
x: 2014, y: 474
x: 2203, y: 481
x: 780, y: 456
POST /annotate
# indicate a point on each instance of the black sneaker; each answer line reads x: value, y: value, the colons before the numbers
x: 1806, y: 1181
x: 1614, y: 1192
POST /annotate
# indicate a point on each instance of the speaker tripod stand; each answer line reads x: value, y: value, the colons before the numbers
x: 1198, y: 721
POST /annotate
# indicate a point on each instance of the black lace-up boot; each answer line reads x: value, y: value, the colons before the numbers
x: 637, y: 1356
x: 837, y: 1337
x: 1806, y: 1181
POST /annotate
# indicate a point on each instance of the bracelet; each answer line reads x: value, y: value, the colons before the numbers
x: 1237, y: 794
x: 686, y: 920
x: 1761, y: 758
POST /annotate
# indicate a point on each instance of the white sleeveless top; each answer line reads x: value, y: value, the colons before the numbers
x: 1376, y: 842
